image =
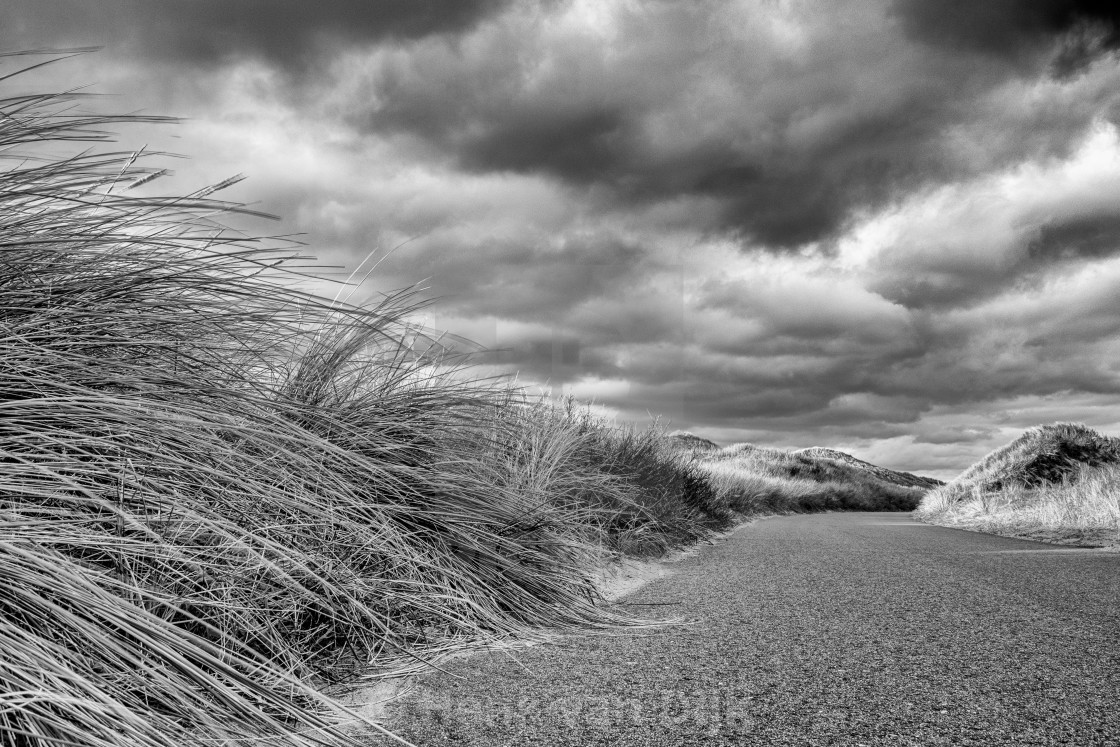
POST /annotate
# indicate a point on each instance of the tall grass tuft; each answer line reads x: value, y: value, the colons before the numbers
x: 636, y: 494
x: 221, y: 492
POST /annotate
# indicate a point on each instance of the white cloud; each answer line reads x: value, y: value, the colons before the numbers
x: 781, y: 221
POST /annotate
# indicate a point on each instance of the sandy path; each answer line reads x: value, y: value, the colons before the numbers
x: 834, y: 629
x: 614, y: 582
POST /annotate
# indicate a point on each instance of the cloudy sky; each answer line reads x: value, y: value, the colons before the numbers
x: 890, y: 227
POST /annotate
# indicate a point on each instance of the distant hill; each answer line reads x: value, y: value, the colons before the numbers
x: 854, y: 483
x: 814, y: 464
x: 888, y: 475
x: 880, y: 488
x: 692, y: 442
x: 1041, y: 456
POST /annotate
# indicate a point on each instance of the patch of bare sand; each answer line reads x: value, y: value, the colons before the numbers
x: 614, y: 581
x: 624, y: 577
x: 627, y: 576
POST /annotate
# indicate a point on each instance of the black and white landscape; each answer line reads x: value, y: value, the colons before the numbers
x: 888, y: 227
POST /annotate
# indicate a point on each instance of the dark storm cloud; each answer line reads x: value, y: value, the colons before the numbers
x: 798, y: 191
x: 1083, y: 237
x: 289, y: 34
x: 547, y: 358
x: 678, y: 100
x: 581, y: 146
x: 1015, y: 29
x: 537, y: 281
x: 789, y: 145
x: 779, y: 191
x: 798, y: 357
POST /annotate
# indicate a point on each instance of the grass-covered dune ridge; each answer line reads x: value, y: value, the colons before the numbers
x: 774, y: 480
x: 691, y: 442
x: 1059, y: 482
x: 905, y: 479
x: 1043, y: 455
x: 221, y: 493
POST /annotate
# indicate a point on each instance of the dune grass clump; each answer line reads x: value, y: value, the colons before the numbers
x: 1082, y: 508
x: 1057, y: 482
x: 755, y: 493
x: 157, y: 499
x: 221, y: 493
x: 80, y: 667
x: 640, y: 496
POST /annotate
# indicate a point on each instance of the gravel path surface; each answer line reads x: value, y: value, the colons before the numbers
x: 833, y: 629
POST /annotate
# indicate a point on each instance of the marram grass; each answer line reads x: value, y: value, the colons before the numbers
x: 220, y: 493
x: 1058, y: 482
x: 755, y: 479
